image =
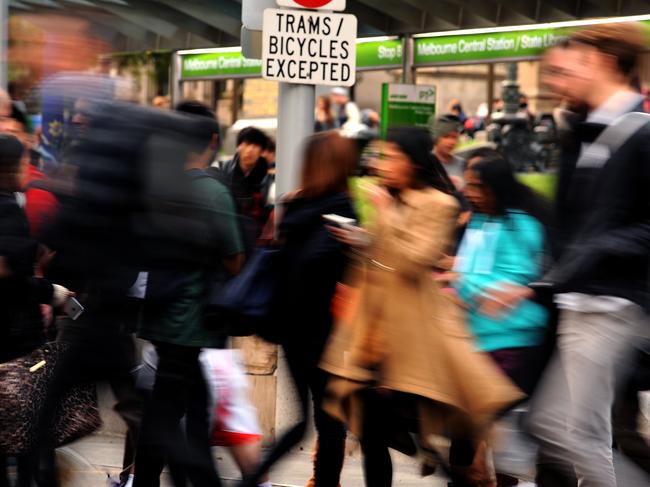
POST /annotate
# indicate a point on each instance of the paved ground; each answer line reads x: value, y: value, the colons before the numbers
x: 87, y: 463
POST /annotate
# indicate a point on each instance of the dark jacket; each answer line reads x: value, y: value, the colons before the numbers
x: 248, y: 193
x: 602, y: 242
x: 315, y: 263
x: 21, y: 323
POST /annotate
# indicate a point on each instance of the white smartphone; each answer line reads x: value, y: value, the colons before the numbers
x: 73, y: 308
x: 340, y: 221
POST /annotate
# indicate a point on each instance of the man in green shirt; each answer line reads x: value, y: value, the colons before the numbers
x: 174, y: 322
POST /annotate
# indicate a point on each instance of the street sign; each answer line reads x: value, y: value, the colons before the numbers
x: 412, y: 105
x: 314, y: 4
x: 308, y: 47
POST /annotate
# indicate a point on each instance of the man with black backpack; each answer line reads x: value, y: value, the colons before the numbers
x: 173, y: 319
x: 600, y: 277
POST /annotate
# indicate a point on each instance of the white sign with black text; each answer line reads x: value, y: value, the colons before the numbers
x: 314, y: 4
x: 308, y: 47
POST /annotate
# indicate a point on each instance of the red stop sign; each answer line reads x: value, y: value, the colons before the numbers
x: 312, y: 3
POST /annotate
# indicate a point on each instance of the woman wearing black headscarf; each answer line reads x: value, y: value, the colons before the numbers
x: 403, y: 363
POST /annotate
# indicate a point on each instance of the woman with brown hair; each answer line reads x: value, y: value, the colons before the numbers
x: 324, y: 115
x: 315, y: 261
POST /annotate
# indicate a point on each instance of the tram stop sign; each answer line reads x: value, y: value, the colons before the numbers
x: 309, y: 47
x: 314, y: 4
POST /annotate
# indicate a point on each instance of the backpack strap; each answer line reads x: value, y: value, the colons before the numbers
x: 597, y: 154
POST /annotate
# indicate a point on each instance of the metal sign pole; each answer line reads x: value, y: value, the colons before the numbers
x: 176, y: 88
x: 407, y: 60
x: 4, y: 43
x: 295, y: 124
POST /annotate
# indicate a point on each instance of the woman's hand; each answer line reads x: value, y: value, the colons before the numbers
x: 60, y: 296
x: 503, y: 299
x: 445, y: 277
x: 446, y: 263
x: 355, y: 237
x: 377, y: 195
x: 381, y: 198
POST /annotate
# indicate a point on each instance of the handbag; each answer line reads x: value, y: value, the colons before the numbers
x: 245, y: 302
x: 23, y: 390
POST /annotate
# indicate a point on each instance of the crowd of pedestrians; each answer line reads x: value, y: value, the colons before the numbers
x: 464, y: 297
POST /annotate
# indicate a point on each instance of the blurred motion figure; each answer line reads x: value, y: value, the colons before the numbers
x: 402, y: 363
x: 600, y: 277
x: 173, y: 320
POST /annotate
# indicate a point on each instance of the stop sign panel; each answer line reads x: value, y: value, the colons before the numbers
x: 314, y: 4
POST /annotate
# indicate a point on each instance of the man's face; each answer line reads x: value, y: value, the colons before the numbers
x: 447, y: 143
x: 572, y: 73
x: 248, y: 155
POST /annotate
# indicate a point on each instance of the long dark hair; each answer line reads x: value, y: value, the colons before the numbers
x: 497, y: 174
x: 417, y: 144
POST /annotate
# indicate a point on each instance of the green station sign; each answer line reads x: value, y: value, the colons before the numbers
x: 401, y: 104
x: 379, y: 54
x: 490, y: 47
x: 231, y: 63
x: 387, y: 53
x: 218, y: 64
x: 487, y: 47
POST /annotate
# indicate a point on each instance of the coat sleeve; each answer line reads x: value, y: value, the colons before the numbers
x: 423, y: 238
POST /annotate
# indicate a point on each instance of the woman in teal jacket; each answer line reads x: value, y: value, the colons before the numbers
x: 503, y: 246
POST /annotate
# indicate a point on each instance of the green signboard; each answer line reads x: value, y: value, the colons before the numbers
x: 378, y: 54
x: 473, y: 48
x: 488, y: 47
x: 231, y: 63
x: 387, y: 53
x: 218, y: 63
x: 412, y: 105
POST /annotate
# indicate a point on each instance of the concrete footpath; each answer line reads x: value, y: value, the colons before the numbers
x: 87, y: 462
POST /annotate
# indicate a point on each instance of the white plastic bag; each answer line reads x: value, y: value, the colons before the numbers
x: 234, y: 418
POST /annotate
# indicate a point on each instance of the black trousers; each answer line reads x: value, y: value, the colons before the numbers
x: 105, y: 352
x: 180, y: 390
x: 302, y: 359
x: 388, y: 419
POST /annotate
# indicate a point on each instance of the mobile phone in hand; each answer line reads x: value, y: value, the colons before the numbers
x: 340, y: 221
x: 73, y: 308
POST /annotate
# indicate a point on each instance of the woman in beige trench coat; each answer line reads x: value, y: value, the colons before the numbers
x: 404, y: 361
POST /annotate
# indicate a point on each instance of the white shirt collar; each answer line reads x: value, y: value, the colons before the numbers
x: 618, y: 104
